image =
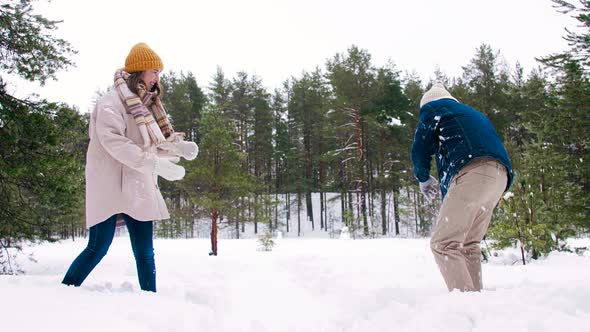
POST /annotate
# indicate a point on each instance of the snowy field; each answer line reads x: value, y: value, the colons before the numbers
x: 302, y: 285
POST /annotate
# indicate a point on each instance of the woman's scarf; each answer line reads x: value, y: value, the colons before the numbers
x: 152, y: 131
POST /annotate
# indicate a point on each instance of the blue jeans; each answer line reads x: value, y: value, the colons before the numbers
x: 99, y: 241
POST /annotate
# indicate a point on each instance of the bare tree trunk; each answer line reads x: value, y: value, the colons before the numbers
x: 534, y: 252
x: 381, y: 170
x: 276, y: 207
x: 72, y: 229
x: 277, y: 189
x: 361, y: 185
x: 341, y: 174
x: 415, y: 210
x: 298, y: 214
x: 350, y: 205
x: 363, y: 205
x: 383, y: 212
x: 267, y: 202
x: 250, y: 218
x: 322, y: 194
x: 321, y: 210
x: 370, y: 180
x: 192, y: 222
x: 308, y: 181
x: 343, y: 207
x: 288, y: 210
x: 421, y: 211
x: 358, y: 209
x: 326, y: 210
x: 243, y: 214
x: 214, y: 218
x: 309, y: 208
x: 256, y: 213
x: 396, y: 210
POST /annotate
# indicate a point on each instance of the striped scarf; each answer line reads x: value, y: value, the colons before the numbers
x: 152, y: 131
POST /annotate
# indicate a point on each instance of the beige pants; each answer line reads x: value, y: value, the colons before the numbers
x: 463, y: 220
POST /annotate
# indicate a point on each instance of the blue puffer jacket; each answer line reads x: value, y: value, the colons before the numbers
x: 457, y: 134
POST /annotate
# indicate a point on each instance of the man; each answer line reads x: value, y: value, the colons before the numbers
x: 474, y: 171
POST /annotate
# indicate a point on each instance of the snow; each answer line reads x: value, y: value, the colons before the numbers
x: 344, y: 234
x: 395, y: 122
x: 302, y: 285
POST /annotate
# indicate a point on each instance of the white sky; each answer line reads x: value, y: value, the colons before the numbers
x: 278, y: 39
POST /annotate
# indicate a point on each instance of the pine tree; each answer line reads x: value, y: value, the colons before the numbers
x: 352, y: 76
x: 307, y: 108
x: 487, y: 80
x: 549, y: 196
x: 184, y: 101
x: 28, y: 49
x: 216, y: 182
x: 220, y: 90
x: 579, y: 40
x: 261, y: 149
x: 389, y: 105
x: 281, y: 151
x: 41, y: 143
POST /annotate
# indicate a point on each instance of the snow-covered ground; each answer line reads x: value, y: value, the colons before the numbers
x: 302, y: 285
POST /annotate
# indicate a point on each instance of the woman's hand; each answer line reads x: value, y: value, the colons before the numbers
x: 169, y: 170
x: 176, y: 136
x: 186, y: 149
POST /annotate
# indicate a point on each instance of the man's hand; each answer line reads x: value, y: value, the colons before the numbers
x: 428, y: 188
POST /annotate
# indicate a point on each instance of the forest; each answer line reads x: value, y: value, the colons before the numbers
x: 342, y: 132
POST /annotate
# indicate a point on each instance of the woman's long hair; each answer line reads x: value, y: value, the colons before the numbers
x: 135, y: 79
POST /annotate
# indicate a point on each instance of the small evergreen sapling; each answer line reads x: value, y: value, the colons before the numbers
x: 265, y: 241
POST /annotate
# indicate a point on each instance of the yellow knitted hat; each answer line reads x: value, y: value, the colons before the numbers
x: 142, y: 57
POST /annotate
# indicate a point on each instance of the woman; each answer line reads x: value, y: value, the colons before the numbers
x: 131, y: 143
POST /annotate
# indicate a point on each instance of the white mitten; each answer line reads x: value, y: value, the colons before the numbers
x: 169, y: 170
x: 186, y: 149
x: 174, y: 159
